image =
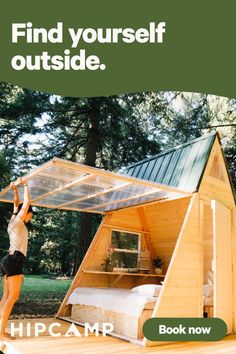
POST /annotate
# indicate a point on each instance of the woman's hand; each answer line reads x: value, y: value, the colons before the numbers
x: 21, y: 181
x: 12, y: 185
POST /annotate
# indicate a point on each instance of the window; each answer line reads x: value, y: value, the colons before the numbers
x: 126, y: 249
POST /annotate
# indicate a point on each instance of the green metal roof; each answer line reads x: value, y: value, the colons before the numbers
x: 181, y: 167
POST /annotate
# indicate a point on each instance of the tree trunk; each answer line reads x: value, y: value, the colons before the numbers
x: 85, y: 228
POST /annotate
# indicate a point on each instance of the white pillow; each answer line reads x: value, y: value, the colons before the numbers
x: 147, y: 289
x: 208, y: 290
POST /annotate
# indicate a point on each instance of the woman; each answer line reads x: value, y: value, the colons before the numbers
x: 11, y: 265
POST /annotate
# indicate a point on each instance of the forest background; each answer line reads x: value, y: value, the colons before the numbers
x: 107, y: 132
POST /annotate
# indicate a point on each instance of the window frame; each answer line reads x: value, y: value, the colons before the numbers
x: 120, y: 250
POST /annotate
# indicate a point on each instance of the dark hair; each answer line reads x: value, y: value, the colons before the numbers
x: 30, y: 209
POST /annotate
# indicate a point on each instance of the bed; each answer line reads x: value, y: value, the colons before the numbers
x: 126, y: 309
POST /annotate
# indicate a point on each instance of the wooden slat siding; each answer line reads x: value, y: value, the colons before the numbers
x: 216, y: 170
x: 208, y: 198
x: 214, y: 193
x: 164, y: 220
x: 214, y: 188
x: 107, y: 280
x: 233, y: 211
x: 223, y: 263
x: 219, y: 183
x: 180, y: 269
x: 64, y: 309
x: 128, y: 229
x: 125, y: 219
x: 125, y: 325
x: 181, y: 301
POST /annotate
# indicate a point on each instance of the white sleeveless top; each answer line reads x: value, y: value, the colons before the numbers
x: 18, y: 235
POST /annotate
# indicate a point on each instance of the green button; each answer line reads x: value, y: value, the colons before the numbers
x: 184, y: 329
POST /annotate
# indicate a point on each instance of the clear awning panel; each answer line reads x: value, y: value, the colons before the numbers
x: 67, y: 185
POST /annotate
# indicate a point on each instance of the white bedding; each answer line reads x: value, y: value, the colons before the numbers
x: 112, y: 299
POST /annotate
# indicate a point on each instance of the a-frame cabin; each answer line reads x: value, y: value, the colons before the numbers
x: 180, y: 204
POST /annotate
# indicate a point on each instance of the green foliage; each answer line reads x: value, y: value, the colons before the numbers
x: 125, y: 241
x: 5, y: 211
x: 52, y: 242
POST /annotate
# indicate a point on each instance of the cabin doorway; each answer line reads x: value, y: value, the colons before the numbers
x: 223, y: 282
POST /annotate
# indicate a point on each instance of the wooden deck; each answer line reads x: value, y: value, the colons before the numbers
x: 45, y: 344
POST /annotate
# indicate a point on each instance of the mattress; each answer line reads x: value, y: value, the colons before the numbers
x: 113, y: 299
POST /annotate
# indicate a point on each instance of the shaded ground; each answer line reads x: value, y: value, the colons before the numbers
x: 41, y: 296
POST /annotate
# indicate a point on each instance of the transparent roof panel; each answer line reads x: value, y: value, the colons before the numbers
x: 71, y: 186
x: 135, y: 201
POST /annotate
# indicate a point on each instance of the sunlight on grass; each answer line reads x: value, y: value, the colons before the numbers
x: 41, y: 286
x: 41, y: 295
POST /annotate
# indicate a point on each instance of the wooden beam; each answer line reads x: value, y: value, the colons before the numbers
x: 71, y: 209
x: 117, y: 273
x: 122, y: 228
x: 142, y: 218
x: 117, y: 279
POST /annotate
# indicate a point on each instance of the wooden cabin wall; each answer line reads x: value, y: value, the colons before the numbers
x: 164, y: 221
x: 126, y: 219
x: 182, y: 292
x: 233, y: 211
x: 223, y: 297
x: 216, y: 185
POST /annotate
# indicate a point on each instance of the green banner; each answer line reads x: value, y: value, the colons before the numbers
x: 95, y: 48
x: 184, y: 329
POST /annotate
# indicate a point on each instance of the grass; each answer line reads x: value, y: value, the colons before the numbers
x: 41, y: 296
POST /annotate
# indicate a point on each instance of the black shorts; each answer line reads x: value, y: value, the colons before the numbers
x: 12, y: 264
